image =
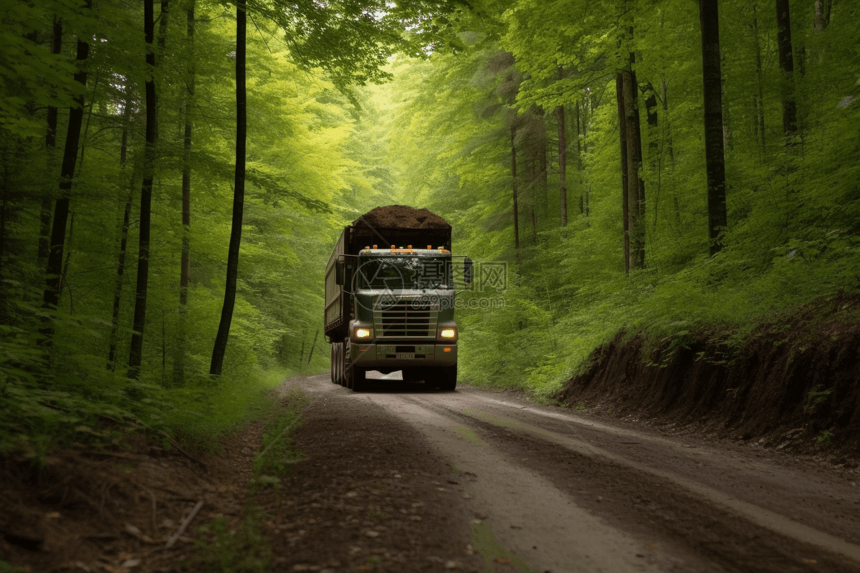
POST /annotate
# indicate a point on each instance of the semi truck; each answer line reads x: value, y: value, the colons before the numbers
x: 389, y: 299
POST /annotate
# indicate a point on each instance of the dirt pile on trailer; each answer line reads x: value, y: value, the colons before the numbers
x: 401, y: 217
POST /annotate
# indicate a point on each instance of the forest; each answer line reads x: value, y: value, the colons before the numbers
x: 174, y: 175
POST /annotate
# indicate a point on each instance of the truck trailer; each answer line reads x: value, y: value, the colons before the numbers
x: 389, y: 299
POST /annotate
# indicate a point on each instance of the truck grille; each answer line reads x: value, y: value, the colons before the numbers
x: 404, y: 318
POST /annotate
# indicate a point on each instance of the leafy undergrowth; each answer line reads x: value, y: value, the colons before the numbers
x: 276, y: 455
x: 104, y: 410
x: 539, y: 347
x: 100, y: 506
x: 243, y: 547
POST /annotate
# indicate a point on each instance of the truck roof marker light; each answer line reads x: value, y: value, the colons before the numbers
x: 429, y: 247
x: 408, y: 246
x: 374, y: 246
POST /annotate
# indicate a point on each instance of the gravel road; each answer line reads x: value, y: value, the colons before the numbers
x: 507, y: 485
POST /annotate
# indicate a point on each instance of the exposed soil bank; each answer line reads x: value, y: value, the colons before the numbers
x: 792, y: 383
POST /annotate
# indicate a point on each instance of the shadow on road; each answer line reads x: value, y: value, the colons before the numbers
x: 394, y: 384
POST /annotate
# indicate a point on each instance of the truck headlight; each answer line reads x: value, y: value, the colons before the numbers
x: 362, y: 333
x: 448, y: 333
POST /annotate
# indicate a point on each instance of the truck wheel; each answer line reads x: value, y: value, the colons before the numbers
x: 348, y: 375
x: 446, y: 378
x: 333, y: 371
x: 339, y: 363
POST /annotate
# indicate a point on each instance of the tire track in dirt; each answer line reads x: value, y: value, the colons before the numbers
x: 689, y: 521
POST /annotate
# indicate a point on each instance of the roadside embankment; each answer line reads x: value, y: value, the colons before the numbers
x: 792, y: 383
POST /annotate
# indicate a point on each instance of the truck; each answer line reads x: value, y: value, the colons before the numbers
x: 389, y: 299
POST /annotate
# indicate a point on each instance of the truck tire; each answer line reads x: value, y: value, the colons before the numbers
x: 445, y: 378
x: 339, y: 362
x: 333, y: 371
x: 348, y: 371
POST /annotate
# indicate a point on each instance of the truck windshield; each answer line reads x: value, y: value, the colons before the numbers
x: 407, y: 272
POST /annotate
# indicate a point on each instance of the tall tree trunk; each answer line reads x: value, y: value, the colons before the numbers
x: 667, y: 123
x: 582, y: 148
x: 238, y: 197
x: 562, y: 165
x: 53, y: 270
x: 120, y: 272
x: 759, y: 83
x: 653, y: 134
x: 160, y: 42
x: 135, y: 356
x: 313, y: 345
x: 820, y: 24
x: 579, y: 161
x: 51, y: 146
x: 185, y: 258
x: 544, y: 177
x: 185, y: 263
x: 670, y: 143
x: 123, y: 234
x: 534, y: 226
x: 514, y: 180
x: 87, y: 125
x: 622, y: 136
x: 163, y: 21
x: 65, y: 274
x: 635, y: 183
x: 713, y: 121
x: 786, y: 64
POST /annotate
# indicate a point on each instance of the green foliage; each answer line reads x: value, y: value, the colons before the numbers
x: 243, y: 549
x: 6, y: 567
x: 824, y: 438
x: 473, y: 86
x: 792, y: 233
x: 816, y: 397
x: 280, y: 420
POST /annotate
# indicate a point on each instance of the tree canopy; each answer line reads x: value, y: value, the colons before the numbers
x: 577, y: 143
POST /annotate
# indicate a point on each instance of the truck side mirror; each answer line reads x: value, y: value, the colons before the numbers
x: 338, y: 271
x: 468, y: 265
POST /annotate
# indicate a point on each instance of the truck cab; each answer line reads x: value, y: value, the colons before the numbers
x: 403, y: 318
x: 389, y: 298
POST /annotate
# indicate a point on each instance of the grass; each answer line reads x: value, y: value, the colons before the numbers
x: 245, y: 549
x: 544, y: 336
x: 102, y: 411
x: 280, y: 419
x: 241, y: 550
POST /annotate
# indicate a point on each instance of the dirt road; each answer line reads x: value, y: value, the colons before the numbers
x: 479, y: 480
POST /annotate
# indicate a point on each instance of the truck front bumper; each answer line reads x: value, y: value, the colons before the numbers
x: 394, y: 356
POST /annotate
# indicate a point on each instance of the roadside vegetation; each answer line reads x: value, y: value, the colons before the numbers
x: 604, y: 218
x: 244, y: 547
x: 159, y: 269
x: 173, y: 177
